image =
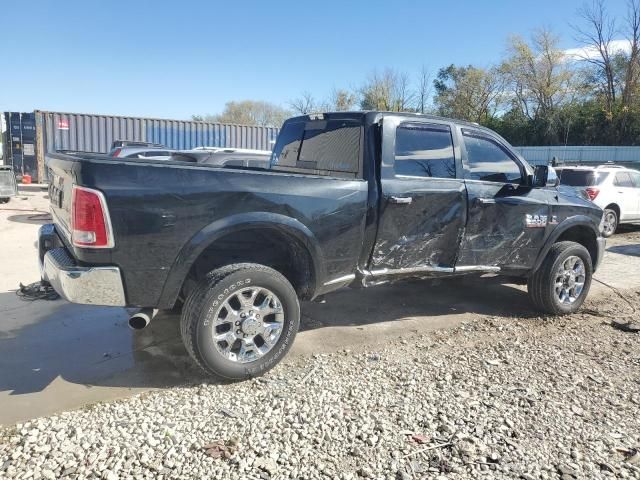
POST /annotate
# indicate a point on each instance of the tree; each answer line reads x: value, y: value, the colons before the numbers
x: 468, y: 93
x: 388, y: 91
x: 304, y: 104
x: 540, y: 82
x: 341, y: 100
x: 597, y: 37
x: 631, y: 89
x: 538, y: 74
x: 424, y: 90
x: 613, y: 65
x: 249, y: 112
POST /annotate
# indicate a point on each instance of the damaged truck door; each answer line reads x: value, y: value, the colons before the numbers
x: 500, y: 201
x: 423, y: 206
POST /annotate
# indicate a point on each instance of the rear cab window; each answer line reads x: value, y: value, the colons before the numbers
x: 582, y: 178
x: 323, y: 146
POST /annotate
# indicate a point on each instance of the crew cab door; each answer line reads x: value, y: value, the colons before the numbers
x: 423, y: 201
x: 506, y: 219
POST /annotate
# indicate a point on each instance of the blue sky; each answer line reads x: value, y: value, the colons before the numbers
x: 171, y: 59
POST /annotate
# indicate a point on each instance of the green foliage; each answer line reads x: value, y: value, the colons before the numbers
x: 468, y: 93
x: 389, y: 91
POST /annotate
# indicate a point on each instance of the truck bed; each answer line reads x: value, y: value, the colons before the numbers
x: 163, y: 214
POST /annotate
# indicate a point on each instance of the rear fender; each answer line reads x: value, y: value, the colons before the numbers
x: 232, y: 224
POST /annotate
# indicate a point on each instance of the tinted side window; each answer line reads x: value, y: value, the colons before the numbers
x: 488, y: 161
x: 622, y: 179
x: 635, y: 176
x: 424, y: 151
x: 330, y: 145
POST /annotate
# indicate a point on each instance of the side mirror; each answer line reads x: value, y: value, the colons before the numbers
x: 544, y: 176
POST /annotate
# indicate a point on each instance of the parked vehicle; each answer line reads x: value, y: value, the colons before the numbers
x: 134, y: 143
x: 238, y: 157
x: 133, y: 151
x: 613, y: 188
x: 8, y: 184
x: 351, y: 199
x: 206, y: 155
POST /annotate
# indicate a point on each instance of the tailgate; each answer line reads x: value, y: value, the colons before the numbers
x: 60, y: 190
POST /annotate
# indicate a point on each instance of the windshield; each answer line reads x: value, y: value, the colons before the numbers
x: 581, y: 178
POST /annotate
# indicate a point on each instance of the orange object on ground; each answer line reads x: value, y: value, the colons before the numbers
x: 26, y: 179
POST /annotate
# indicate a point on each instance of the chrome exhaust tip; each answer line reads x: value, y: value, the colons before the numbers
x: 141, y: 319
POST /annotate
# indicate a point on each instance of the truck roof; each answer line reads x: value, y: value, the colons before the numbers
x: 383, y: 113
x: 372, y: 116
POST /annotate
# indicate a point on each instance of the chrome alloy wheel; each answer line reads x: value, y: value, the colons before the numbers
x: 248, y: 324
x: 570, y: 278
x: 609, y: 223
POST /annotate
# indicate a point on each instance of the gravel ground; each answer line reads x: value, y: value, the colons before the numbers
x: 494, y: 398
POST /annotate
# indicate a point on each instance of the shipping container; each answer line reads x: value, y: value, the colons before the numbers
x: 94, y: 133
x: 53, y: 131
x: 20, y: 142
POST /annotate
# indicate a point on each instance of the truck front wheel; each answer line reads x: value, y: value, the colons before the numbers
x: 240, y: 320
x: 561, y: 284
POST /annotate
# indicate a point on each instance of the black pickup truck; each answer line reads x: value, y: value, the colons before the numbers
x: 350, y: 199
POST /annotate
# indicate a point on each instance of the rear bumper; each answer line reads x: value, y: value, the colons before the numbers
x: 78, y: 284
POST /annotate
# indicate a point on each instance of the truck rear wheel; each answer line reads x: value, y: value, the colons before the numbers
x: 562, y: 282
x: 240, y: 320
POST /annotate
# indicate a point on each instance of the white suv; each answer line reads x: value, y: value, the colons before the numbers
x: 613, y: 188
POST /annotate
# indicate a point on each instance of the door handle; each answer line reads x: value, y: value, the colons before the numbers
x: 400, y: 200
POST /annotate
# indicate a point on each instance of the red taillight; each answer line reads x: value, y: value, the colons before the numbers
x: 592, y: 192
x: 116, y: 152
x: 90, y: 219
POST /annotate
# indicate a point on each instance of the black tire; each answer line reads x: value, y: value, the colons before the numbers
x: 197, y: 325
x: 613, y: 220
x: 4, y: 200
x: 541, y: 284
